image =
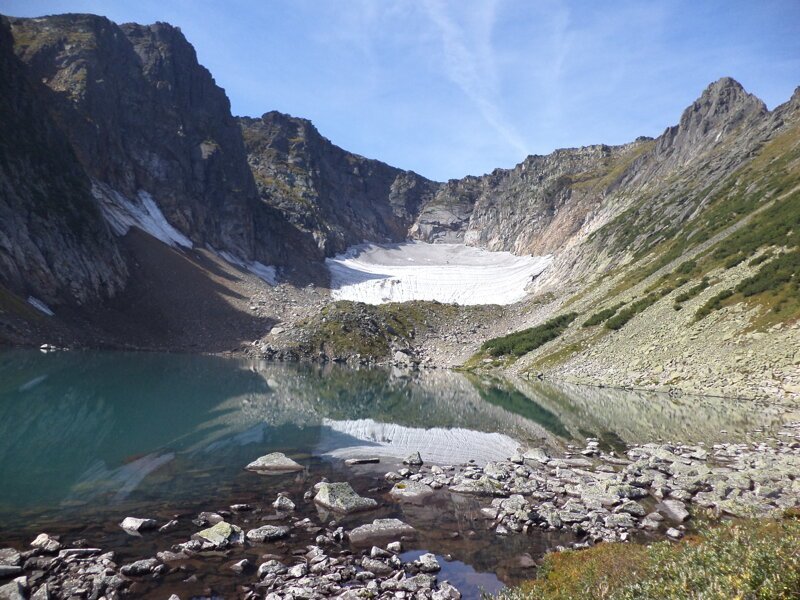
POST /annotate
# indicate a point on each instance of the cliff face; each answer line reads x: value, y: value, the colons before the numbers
x: 332, y: 198
x: 54, y: 243
x: 145, y: 119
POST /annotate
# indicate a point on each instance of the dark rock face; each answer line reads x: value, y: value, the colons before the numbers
x: 143, y: 115
x: 54, y: 243
x: 330, y: 197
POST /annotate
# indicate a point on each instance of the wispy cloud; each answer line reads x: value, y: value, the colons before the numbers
x: 469, y: 62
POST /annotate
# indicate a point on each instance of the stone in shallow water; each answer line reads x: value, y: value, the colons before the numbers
x: 340, y: 497
x: 283, y: 504
x: 414, y: 460
x: 267, y: 533
x: 427, y: 563
x: 484, y: 486
x: 414, y: 492
x: 136, y: 524
x: 535, y: 455
x: 46, y: 543
x: 380, y: 529
x: 220, y: 535
x: 277, y: 462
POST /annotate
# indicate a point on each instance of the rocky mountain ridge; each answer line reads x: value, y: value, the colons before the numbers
x: 144, y: 137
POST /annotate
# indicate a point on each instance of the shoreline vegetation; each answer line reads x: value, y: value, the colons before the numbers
x: 748, y: 558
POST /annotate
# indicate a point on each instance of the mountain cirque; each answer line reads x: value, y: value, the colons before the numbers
x: 107, y: 129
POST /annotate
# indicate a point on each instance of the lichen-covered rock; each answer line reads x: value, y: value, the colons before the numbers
x: 220, y: 535
x: 341, y: 497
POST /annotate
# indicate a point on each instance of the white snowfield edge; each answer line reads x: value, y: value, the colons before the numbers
x: 448, y: 273
x: 122, y: 213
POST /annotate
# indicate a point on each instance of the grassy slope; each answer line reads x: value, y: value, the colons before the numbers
x: 750, y: 559
x: 765, y: 192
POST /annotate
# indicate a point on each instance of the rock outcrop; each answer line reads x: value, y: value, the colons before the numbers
x: 54, y: 243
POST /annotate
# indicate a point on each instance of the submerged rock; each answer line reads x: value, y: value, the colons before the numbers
x: 276, y: 462
x: 411, y: 491
x: 340, y: 497
x: 380, y: 529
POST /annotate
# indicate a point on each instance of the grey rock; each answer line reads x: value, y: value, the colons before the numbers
x: 15, y: 590
x: 413, y: 492
x: 380, y: 529
x: 267, y: 533
x: 283, y: 504
x: 136, y: 524
x: 139, y: 567
x: 276, y: 462
x: 414, y: 460
x: 674, y: 509
x: 340, y: 497
x: 46, y: 543
x: 220, y: 535
x: 427, y: 563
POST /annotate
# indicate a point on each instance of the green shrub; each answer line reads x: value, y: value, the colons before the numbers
x: 522, y: 342
x: 693, y: 291
x: 601, y: 316
x: 618, y: 321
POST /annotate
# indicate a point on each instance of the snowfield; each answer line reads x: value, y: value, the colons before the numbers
x: 448, y: 273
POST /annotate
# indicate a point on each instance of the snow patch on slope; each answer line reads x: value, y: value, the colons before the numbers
x: 267, y: 273
x: 40, y: 306
x: 436, y: 445
x: 122, y: 214
x: 449, y: 273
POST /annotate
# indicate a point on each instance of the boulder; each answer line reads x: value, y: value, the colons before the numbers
x: 136, y: 524
x: 413, y: 460
x: 220, y: 535
x: 380, y: 529
x: 340, y: 497
x: 283, y: 504
x: 45, y: 543
x: 276, y: 462
x: 15, y: 590
x: 427, y: 563
x: 674, y: 509
x: 414, y: 492
x: 139, y: 568
x: 267, y: 533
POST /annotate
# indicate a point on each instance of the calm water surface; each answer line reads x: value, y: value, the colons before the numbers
x: 89, y: 438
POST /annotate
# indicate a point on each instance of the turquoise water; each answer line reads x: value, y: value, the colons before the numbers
x: 87, y: 438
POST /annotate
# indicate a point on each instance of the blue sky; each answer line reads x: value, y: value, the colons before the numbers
x: 455, y: 88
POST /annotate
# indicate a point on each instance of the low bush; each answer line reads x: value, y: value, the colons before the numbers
x: 601, y: 316
x: 619, y: 320
x: 522, y: 342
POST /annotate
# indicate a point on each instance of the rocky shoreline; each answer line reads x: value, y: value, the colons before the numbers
x: 652, y: 491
